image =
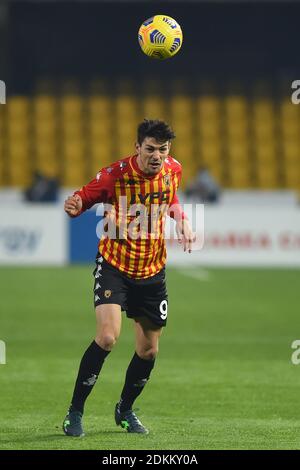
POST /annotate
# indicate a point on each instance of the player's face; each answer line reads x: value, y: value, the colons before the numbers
x: 151, y: 155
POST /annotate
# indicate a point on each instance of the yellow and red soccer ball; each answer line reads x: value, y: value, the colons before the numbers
x: 160, y: 37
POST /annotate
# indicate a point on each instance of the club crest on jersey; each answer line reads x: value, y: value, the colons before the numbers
x: 107, y: 294
x: 167, y: 180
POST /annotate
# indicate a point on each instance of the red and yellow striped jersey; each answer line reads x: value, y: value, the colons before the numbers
x: 137, y: 251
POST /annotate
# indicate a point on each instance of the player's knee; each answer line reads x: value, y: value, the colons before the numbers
x: 148, y: 354
x: 106, y: 341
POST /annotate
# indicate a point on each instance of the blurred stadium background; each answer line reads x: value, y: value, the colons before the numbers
x: 77, y: 85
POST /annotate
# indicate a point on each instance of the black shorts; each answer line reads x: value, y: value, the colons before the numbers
x: 138, y: 297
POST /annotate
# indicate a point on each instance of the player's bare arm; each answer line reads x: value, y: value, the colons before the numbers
x: 73, y: 205
x: 185, y: 234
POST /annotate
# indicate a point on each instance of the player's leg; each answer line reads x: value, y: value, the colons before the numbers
x: 138, y: 373
x: 147, y: 304
x: 108, y: 298
x: 108, y: 319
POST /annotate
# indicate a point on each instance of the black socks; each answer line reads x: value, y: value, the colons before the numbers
x: 137, y: 375
x: 90, y: 366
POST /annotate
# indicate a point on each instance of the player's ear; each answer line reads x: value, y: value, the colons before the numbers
x: 137, y: 147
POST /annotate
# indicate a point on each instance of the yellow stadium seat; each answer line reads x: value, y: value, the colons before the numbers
x: 237, y: 130
x: 74, y: 175
x: 218, y: 173
x: 240, y: 176
x: 125, y: 140
x: 183, y: 126
x: 49, y: 169
x: 290, y: 130
x: 208, y: 106
x: 209, y: 131
x: 211, y: 151
x: 2, y: 115
x: 18, y: 107
x: 74, y: 159
x: 73, y: 150
x: 289, y: 111
x: 101, y: 147
x: 183, y: 151
x: 126, y: 107
x: 124, y: 148
x: 43, y: 147
x: 71, y: 109
x: 3, y: 181
x: 154, y: 107
x: 72, y: 131
x: 99, y: 107
x: 46, y: 157
x: 236, y: 107
x: 237, y: 152
x: 267, y: 177
x: 292, y: 176
x: 263, y: 107
x: 126, y: 129
x: 291, y: 151
x: 45, y: 128
x: 101, y: 153
x: 183, y: 138
x: 44, y: 107
x: 188, y: 174
x: 263, y: 131
x: 99, y: 129
x: 18, y: 150
x: 17, y: 129
x: 102, y: 161
x: 19, y: 175
x: 75, y: 133
x: 181, y: 108
x: 265, y: 153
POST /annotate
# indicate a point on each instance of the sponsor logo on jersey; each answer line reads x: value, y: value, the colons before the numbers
x: 162, y: 196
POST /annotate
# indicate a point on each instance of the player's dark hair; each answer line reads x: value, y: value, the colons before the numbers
x: 160, y: 130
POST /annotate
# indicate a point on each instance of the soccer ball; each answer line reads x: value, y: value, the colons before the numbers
x: 160, y: 37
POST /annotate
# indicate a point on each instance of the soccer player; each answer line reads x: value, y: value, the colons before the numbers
x: 130, y: 267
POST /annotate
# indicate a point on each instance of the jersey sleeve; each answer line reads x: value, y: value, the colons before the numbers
x: 100, y: 189
x: 175, y: 210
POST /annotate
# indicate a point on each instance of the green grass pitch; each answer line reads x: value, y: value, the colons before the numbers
x: 223, y: 379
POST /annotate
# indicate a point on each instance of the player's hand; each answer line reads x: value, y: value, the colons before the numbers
x: 73, y: 205
x: 185, y: 234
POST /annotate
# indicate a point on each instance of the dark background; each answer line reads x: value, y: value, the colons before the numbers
x: 222, y: 41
